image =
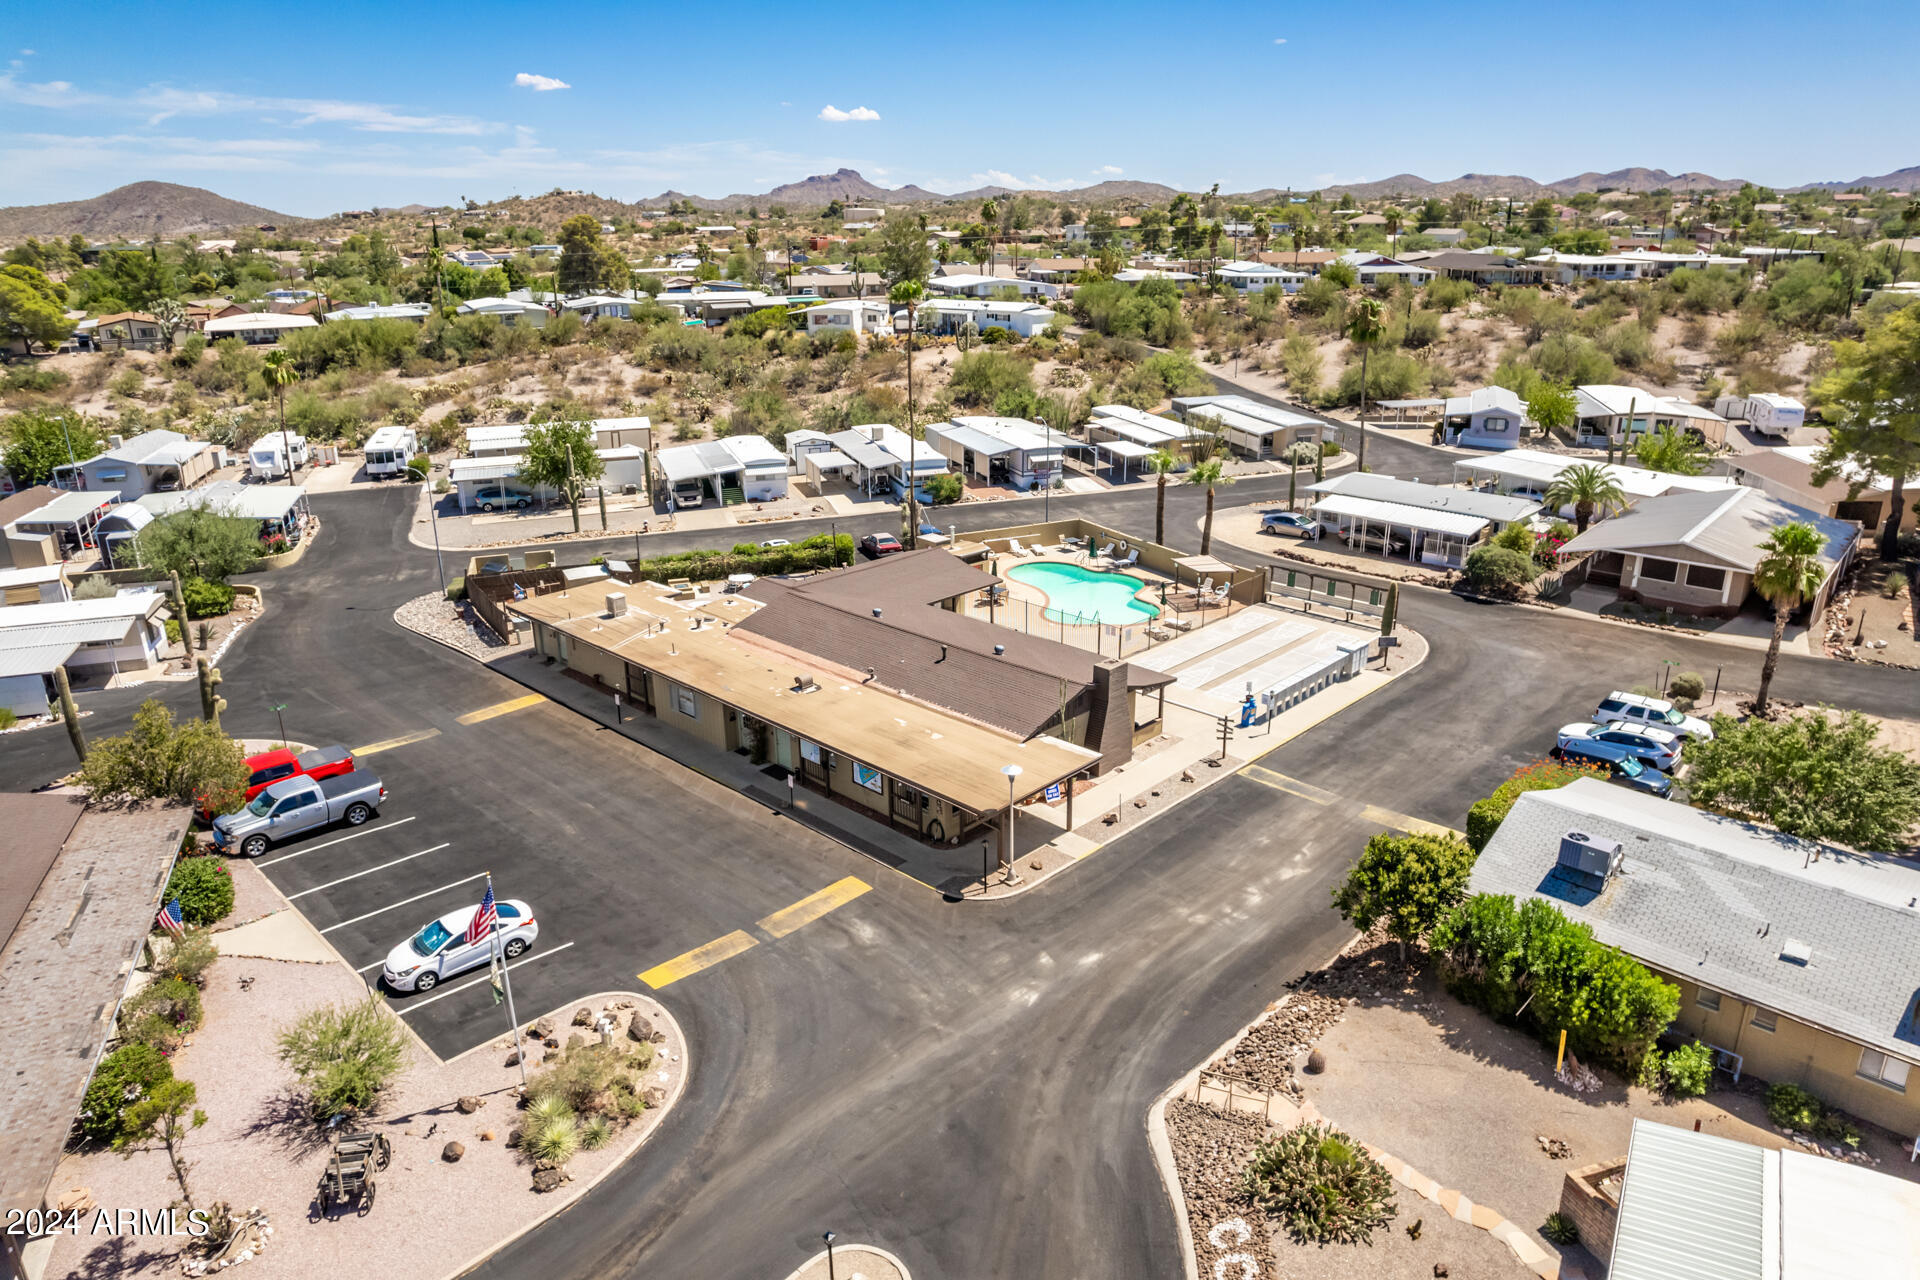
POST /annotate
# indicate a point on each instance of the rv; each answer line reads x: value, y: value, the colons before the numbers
x: 1769, y: 415
x: 389, y: 450
x: 270, y: 455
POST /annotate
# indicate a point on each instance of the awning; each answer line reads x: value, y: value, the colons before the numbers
x: 822, y: 461
x: 36, y: 659
x: 1205, y: 564
x: 1126, y: 450
x: 1449, y: 522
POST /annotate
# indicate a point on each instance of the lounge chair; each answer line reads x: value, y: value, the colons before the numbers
x: 1133, y: 558
x: 1178, y: 624
x: 1013, y: 545
x: 1206, y: 585
x: 1106, y: 552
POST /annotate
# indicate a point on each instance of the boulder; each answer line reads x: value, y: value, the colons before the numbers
x: 543, y: 1028
x: 654, y: 1098
x: 513, y: 1059
x: 469, y: 1104
x: 545, y: 1180
x: 583, y: 1017
x: 640, y: 1029
x: 452, y: 1152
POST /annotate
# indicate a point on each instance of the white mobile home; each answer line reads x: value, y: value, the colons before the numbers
x: 1247, y: 426
x: 1606, y: 410
x: 950, y: 315
x: 272, y: 456
x: 1252, y: 277
x: 1768, y: 414
x: 1009, y: 451
x: 389, y: 450
x: 728, y: 470
x: 1488, y: 418
x: 850, y: 315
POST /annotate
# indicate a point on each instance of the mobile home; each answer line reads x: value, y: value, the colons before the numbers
x: 270, y: 455
x: 389, y: 450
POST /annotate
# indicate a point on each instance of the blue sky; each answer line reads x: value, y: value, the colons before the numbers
x: 309, y: 110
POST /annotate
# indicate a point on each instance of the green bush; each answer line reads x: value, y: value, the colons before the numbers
x: 1688, y: 1070
x: 204, y: 886
x: 1485, y: 817
x: 7, y: 718
x: 457, y: 589
x: 1560, y: 1229
x: 166, y: 1011
x: 585, y: 1078
x: 345, y: 1055
x: 595, y: 1132
x: 1791, y: 1107
x: 1690, y: 685
x: 556, y: 1139
x: 944, y: 489
x: 206, y: 599
x: 1515, y: 537
x: 95, y: 587
x: 123, y: 1077
x: 190, y: 956
x: 1499, y: 570
x: 1506, y: 960
x: 1322, y: 1184
x: 173, y: 631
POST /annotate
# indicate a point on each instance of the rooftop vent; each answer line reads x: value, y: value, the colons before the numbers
x: 999, y: 651
x: 876, y: 611
x: 1589, y: 860
x: 616, y: 604
x: 1794, y: 951
x: 804, y: 683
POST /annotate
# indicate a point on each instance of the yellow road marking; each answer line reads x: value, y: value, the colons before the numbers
x: 1403, y: 822
x: 389, y: 744
x: 814, y: 905
x: 501, y: 708
x: 691, y: 962
x: 1292, y: 786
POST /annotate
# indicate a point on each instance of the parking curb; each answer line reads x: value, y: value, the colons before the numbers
x: 875, y: 1250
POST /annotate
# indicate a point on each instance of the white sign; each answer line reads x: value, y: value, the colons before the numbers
x: 810, y: 751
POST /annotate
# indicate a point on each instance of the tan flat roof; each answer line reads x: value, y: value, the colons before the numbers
x: 943, y: 754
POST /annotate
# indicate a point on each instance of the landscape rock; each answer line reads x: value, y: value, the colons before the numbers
x: 469, y: 1104
x: 543, y: 1028
x: 640, y: 1029
x: 513, y: 1059
x: 452, y: 1152
x: 583, y: 1017
x: 654, y: 1098
x: 545, y: 1180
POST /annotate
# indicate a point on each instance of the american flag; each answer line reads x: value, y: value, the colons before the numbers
x: 170, y: 919
x: 484, y: 919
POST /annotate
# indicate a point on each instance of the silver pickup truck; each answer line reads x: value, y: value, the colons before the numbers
x: 294, y: 805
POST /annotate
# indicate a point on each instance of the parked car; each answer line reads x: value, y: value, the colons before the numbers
x: 1652, y: 746
x: 441, y: 949
x: 875, y: 545
x: 293, y: 805
x: 771, y: 543
x: 270, y: 767
x: 1621, y: 765
x: 1638, y: 709
x: 495, y: 497
x: 1290, y: 524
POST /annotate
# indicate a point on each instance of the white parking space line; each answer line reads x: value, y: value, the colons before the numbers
x: 421, y: 1004
x: 364, y: 831
x: 369, y: 871
x: 375, y: 965
x: 479, y: 875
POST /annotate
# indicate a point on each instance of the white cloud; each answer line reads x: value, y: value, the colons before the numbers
x: 837, y: 116
x: 539, y: 84
x: 158, y: 103
x: 1109, y: 170
x: 1280, y: 40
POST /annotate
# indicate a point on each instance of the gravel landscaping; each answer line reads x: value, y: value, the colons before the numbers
x: 456, y: 625
x: 260, y: 1149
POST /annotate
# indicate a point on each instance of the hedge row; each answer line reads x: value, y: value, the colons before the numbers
x: 817, y: 552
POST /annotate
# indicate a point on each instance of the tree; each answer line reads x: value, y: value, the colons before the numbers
x: 560, y: 455
x: 1871, y: 401
x: 40, y: 439
x: 1670, y: 450
x: 1812, y: 775
x: 583, y: 261
x: 989, y: 220
x: 1587, y: 487
x: 1496, y: 570
x: 345, y: 1055
x: 383, y: 261
x: 1552, y: 406
x: 197, y: 543
x: 1367, y: 326
x: 166, y: 1116
x: 169, y: 316
x: 1161, y: 464
x: 32, y: 307
x: 280, y: 373
x: 903, y: 250
x: 186, y: 763
x: 1407, y: 881
x: 1213, y: 474
x: 908, y: 292
x: 1789, y: 573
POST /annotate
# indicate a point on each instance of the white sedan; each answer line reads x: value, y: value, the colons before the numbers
x: 441, y: 949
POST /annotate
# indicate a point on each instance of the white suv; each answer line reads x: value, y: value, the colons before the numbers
x: 1640, y: 711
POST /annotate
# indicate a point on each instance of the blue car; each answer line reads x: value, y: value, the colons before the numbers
x: 1623, y: 767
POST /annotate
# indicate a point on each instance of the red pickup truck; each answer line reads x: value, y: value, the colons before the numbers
x: 270, y: 767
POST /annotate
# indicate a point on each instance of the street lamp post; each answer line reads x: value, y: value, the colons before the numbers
x: 1013, y: 772
x: 828, y: 1237
x: 279, y: 707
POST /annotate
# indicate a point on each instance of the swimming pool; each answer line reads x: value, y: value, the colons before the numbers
x: 1075, y: 594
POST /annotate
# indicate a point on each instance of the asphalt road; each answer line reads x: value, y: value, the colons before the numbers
x: 964, y: 1084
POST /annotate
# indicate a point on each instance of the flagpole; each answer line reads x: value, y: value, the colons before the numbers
x: 506, y: 984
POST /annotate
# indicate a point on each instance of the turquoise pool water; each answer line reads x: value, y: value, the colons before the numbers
x: 1086, y: 595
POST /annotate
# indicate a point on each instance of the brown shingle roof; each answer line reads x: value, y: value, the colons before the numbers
x: 25, y: 503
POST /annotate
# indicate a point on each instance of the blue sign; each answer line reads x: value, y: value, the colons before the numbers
x: 1053, y: 793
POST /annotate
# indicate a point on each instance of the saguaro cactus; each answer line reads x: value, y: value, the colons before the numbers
x: 180, y: 609
x: 70, y: 713
x: 211, y: 703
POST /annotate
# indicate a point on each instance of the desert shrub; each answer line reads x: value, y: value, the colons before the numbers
x: 1499, y: 570
x: 166, y: 1011
x: 29, y: 378
x: 1391, y: 375
x: 206, y: 599
x: 1422, y: 330
x: 583, y: 1078
x: 204, y: 886
x: 191, y: 955
x: 123, y: 1077
x: 982, y: 377
x: 1690, y: 685
x: 555, y: 1139
x: 1445, y: 293
x: 7, y: 718
x: 96, y: 587
x: 1322, y: 1184
x: 1791, y: 1107
x: 1515, y: 537
x: 345, y: 1055
x: 1560, y: 1229
x: 595, y: 1132
x: 943, y: 489
x: 1688, y: 1070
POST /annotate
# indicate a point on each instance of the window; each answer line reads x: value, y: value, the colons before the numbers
x: 1699, y: 575
x: 1765, y: 1020
x: 1494, y: 426
x: 1659, y: 570
x: 1881, y: 1069
x: 686, y: 702
x: 1708, y: 1000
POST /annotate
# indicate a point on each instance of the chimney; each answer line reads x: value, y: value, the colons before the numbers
x: 616, y: 604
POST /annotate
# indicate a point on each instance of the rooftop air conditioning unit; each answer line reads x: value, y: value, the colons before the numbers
x: 616, y: 604
x: 1589, y: 860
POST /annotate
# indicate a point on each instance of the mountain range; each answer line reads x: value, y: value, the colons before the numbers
x: 148, y: 209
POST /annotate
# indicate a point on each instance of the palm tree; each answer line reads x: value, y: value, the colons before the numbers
x: 1368, y: 326
x: 990, y: 214
x: 1393, y: 229
x: 1213, y: 474
x: 280, y: 375
x: 1788, y: 575
x: 1262, y: 232
x: 908, y: 294
x: 1587, y: 487
x: 1162, y: 464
